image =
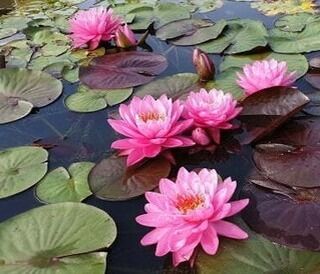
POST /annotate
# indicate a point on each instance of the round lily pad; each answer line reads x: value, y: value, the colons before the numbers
x: 22, y: 89
x: 59, y: 238
x: 4, y: 33
x: 90, y: 100
x: 111, y: 179
x: 256, y: 255
x: 21, y: 168
x: 295, y: 22
x: 61, y: 185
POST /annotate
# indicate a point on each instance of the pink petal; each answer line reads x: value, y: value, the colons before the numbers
x: 237, y: 206
x: 154, y: 236
x: 229, y: 230
x: 210, y: 241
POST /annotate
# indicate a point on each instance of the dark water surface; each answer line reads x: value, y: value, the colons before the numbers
x: 87, y: 137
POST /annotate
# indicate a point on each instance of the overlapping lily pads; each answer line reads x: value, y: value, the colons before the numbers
x: 21, y: 90
x: 88, y: 100
x: 307, y: 40
x: 61, y: 185
x: 241, y: 35
x: 60, y: 238
x: 257, y: 255
x: 296, y: 22
x: 21, y: 168
x: 122, y: 70
x: 113, y: 181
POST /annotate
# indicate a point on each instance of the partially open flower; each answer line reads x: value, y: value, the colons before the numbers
x: 203, y: 64
x: 265, y: 74
x: 152, y: 126
x: 125, y: 37
x: 89, y: 27
x: 211, y: 110
x: 191, y: 212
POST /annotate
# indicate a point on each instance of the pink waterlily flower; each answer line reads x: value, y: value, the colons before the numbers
x: 265, y: 74
x: 191, y: 212
x: 125, y: 37
x: 89, y: 27
x: 152, y: 126
x: 211, y: 111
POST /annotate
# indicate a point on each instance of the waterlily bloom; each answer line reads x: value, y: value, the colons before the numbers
x: 89, y: 27
x: 203, y: 64
x: 211, y: 110
x: 191, y: 212
x: 125, y: 37
x: 265, y: 74
x: 152, y: 126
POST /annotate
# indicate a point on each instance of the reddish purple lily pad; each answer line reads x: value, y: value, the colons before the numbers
x: 313, y: 79
x: 292, y: 156
x: 267, y: 109
x: 291, y: 221
x: 122, y: 70
x: 111, y: 179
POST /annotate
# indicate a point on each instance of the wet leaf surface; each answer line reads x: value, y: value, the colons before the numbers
x: 111, y: 180
x: 122, y: 70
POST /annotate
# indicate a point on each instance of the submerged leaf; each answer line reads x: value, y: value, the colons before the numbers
x: 21, y: 168
x: 113, y: 181
x: 122, y: 70
x: 61, y: 185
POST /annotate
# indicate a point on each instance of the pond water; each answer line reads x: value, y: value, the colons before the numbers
x: 87, y: 137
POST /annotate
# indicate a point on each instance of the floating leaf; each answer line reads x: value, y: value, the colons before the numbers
x: 206, y: 6
x: 4, y: 33
x: 296, y: 42
x: 18, y: 22
x: 292, y: 156
x: 266, y: 110
x: 295, y: 62
x: 313, y: 79
x: 113, y: 181
x: 241, y: 35
x: 173, y: 86
x: 61, y: 185
x: 21, y: 90
x: 291, y: 221
x: 122, y: 70
x: 56, y: 238
x: 272, y: 8
x: 88, y: 100
x: 21, y: 168
x: 296, y: 22
x: 257, y: 255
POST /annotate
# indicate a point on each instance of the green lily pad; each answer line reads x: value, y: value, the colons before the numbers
x: 272, y: 8
x: 160, y: 14
x: 71, y: 75
x: 21, y: 168
x: 49, y: 37
x: 61, y: 185
x: 226, y: 81
x: 173, y: 86
x: 4, y: 33
x: 241, y: 35
x: 307, y: 40
x: 21, y: 90
x: 257, y: 255
x: 295, y: 22
x: 90, y: 100
x: 18, y: 22
x: 201, y: 35
x: 295, y: 62
x: 59, y: 238
x: 53, y: 50
x: 206, y: 6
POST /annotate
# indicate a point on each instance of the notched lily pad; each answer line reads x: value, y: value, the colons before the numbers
x: 122, y: 70
x: 61, y: 185
x: 21, y: 90
x: 90, y: 100
x: 21, y: 168
x: 59, y: 238
x: 111, y: 179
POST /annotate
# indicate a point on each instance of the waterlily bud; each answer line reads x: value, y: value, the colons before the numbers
x: 200, y: 136
x: 125, y: 37
x: 203, y: 64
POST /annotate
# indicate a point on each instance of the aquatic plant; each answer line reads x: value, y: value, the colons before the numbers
x: 203, y: 64
x: 191, y: 212
x: 125, y: 37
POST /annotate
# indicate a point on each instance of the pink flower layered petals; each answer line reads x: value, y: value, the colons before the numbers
x: 212, y: 111
x: 89, y: 27
x: 191, y: 212
x: 152, y: 126
x: 265, y: 74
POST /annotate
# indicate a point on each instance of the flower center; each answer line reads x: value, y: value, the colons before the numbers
x: 187, y: 203
x: 151, y: 116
